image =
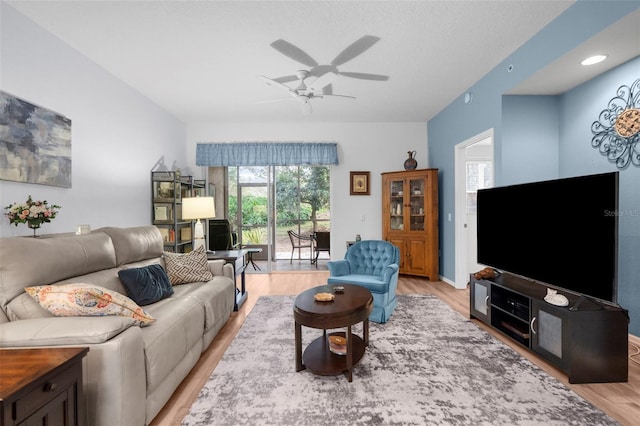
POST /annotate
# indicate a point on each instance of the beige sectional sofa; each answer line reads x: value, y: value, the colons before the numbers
x: 130, y: 371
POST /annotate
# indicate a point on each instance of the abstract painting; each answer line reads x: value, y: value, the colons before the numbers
x: 35, y: 143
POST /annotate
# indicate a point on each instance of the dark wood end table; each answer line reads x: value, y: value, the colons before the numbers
x: 42, y: 386
x: 237, y: 259
x: 352, y: 306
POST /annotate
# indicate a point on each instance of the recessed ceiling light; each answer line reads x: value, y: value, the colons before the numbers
x: 593, y: 59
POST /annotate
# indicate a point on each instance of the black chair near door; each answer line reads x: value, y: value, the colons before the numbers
x: 322, y: 242
x: 220, y: 235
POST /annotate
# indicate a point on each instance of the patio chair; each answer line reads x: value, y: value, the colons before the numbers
x: 299, y: 242
x: 322, y: 240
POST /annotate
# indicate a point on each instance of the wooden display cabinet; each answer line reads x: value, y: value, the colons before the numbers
x: 410, y: 219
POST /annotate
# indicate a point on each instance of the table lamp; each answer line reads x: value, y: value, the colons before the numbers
x: 196, y: 208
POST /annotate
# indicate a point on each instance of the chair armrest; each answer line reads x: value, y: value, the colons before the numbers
x: 338, y: 268
x: 220, y: 268
x: 216, y: 266
x: 389, y: 271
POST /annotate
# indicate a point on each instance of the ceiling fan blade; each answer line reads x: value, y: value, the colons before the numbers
x: 336, y: 97
x: 293, y: 52
x: 356, y: 48
x: 365, y: 76
x: 286, y: 79
x: 327, y: 90
x: 322, y: 81
x: 275, y: 83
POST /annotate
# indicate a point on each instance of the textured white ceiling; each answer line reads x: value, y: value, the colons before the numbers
x: 199, y: 59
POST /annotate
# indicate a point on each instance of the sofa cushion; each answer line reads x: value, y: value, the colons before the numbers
x: 87, y: 300
x: 217, y: 296
x: 37, y: 261
x: 146, y: 285
x: 188, y: 267
x: 178, y: 330
x: 135, y: 243
x: 371, y: 282
x: 62, y: 331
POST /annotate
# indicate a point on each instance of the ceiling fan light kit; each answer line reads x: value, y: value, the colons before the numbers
x: 324, y: 75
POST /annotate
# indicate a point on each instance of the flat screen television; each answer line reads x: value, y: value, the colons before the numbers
x: 562, y: 233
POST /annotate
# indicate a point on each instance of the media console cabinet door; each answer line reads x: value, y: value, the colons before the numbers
x: 480, y: 300
x: 549, y: 331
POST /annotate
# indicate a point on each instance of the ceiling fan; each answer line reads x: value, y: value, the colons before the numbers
x: 356, y: 48
x: 304, y: 93
x: 325, y: 74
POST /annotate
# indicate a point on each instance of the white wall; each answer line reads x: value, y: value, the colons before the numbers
x: 117, y: 134
x: 373, y: 147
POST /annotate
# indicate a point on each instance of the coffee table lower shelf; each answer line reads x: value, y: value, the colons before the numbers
x: 318, y: 359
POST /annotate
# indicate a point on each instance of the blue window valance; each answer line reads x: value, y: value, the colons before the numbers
x: 266, y: 154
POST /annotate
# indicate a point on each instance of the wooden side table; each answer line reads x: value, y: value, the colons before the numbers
x: 350, y: 307
x: 42, y: 386
x: 236, y: 258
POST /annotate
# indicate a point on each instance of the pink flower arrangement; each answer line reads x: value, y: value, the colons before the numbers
x: 33, y: 213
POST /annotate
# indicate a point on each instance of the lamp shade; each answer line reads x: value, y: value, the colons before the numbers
x: 198, y: 208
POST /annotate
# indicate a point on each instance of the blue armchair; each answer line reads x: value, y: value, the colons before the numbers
x: 372, y: 264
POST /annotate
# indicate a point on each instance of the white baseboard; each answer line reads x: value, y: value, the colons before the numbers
x: 448, y: 281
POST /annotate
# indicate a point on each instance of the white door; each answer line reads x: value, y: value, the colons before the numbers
x: 473, y: 171
x: 479, y: 174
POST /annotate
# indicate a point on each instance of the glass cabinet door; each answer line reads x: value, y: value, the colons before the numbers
x: 417, y: 204
x: 396, y: 205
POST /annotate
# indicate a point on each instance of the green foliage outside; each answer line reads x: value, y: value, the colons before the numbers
x: 293, y: 205
x: 254, y: 236
x: 302, y: 197
x: 313, y: 198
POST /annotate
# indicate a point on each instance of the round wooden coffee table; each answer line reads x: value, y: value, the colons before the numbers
x: 352, y: 306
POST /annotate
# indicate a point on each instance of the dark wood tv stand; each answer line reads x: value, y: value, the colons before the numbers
x: 587, y: 340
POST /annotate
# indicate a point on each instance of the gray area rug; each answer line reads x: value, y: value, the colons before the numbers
x: 428, y: 365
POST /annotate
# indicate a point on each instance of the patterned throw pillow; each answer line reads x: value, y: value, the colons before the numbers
x: 146, y: 285
x: 188, y: 267
x: 69, y: 300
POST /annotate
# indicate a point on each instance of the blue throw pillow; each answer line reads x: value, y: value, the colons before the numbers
x: 146, y: 285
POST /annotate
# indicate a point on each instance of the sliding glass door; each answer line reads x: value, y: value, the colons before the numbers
x: 250, y: 206
x: 266, y: 202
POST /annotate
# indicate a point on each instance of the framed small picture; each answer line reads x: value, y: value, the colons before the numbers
x: 163, y: 190
x: 162, y: 212
x: 185, y: 233
x: 359, y: 183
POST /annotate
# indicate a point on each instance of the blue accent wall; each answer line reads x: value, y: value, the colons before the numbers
x: 530, y: 133
x: 580, y: 107
x: 517, y: 160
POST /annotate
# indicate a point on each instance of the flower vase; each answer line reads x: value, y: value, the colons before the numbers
x: 33, y: 226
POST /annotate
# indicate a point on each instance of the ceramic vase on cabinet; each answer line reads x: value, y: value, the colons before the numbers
x: 410, y: 163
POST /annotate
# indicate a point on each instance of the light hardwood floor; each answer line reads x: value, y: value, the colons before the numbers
x: 619, y: 400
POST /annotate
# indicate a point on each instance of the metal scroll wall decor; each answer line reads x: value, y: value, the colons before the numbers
x: 616, y: 133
